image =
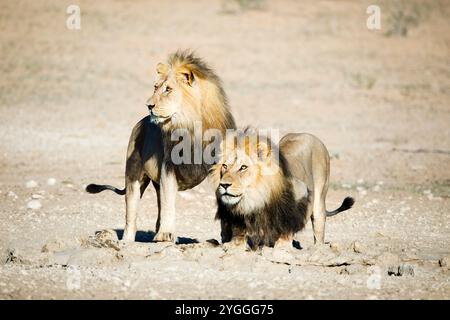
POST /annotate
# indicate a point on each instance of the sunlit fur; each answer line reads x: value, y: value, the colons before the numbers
x: 195, y: 97
x: 259, y: 200
x: 278, y: 189
x: 259, y: 184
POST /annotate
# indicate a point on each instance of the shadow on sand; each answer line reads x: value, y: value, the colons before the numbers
x: 147, y: 236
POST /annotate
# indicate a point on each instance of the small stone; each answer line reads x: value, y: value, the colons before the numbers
x: 4, y: 256
x: 31, y: 184
x: 34, y: 205
x: 51, y: 181
x: 336, y: 247
x: 106, y: 239
x: 444, y: 262
x: 12, y: 195
x: 53, y: 245
x: 358, y: 247
x: 107, y: 234
x: 361, y: 190
x: 37, y: 196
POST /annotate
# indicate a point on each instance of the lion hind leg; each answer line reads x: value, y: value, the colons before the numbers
x: 319, y: 215
x: 133, y: 193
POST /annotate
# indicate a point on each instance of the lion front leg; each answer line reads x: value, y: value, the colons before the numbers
x: 132, y: 201
x: 168, y: 188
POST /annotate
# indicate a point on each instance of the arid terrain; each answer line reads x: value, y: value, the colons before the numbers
x: 379, y: 99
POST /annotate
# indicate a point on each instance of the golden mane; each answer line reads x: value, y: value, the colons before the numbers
x: 271, y: 166
x: 213, y: 105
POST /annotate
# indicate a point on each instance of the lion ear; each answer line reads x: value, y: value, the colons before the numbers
x: 186, y: 75
x: 161, y: 68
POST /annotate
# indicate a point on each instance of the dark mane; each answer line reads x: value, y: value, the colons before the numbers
x: 281, y: 217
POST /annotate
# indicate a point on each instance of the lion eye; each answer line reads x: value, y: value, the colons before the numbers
x: 224, y: 166
x: 168, y: 89
x: 243, y: 167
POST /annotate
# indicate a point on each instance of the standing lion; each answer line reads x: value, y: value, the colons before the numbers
x: 266, y: 193
x: 187, y: 92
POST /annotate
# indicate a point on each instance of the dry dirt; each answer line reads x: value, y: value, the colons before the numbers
x: 379, y: 100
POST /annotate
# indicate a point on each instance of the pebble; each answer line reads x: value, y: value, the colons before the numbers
x: 444, y: 262
x: 37, y: 196
x: 53, y: 245
x: 362, y: 191
x: 358, y: 247
x: 34, y: 204
x: 336, y: 247
x: 12, y: 195
x: 31, y: 184
x: 51, y: 181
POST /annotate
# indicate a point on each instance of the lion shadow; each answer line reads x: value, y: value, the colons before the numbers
x: 147, y: 237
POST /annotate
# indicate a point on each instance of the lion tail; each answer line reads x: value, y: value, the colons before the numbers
x: 96, y: 188
x: 346, y: 204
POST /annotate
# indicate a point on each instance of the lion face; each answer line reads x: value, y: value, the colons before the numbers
x: 237, y: 175
x: 248, y: 176
x: 172, y: 89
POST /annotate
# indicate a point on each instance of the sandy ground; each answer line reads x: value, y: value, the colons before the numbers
x: 69, y: 98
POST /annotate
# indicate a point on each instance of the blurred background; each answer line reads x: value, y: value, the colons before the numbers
x: 375, y: 97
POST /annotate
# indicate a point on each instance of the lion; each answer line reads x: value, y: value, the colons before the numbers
x: 187, y: 91
x: 267, y: 193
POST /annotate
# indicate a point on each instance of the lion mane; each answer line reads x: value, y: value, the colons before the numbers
x: 275, y: 211
x: 212, y: 108
x: 187, y: 92
x: 268, y: 192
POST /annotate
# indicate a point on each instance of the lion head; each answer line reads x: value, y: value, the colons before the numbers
x: 186, y: 91
x: 249, y: 174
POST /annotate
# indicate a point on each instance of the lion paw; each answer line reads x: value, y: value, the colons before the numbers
x: 164, y: 237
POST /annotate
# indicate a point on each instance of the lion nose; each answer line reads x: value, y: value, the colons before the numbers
x: 225, y: 185
x: 150, y: 107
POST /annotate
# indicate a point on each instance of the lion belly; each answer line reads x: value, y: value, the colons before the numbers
x: 307, y: 157
x: 148, y: 149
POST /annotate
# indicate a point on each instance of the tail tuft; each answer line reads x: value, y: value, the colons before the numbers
x: 96, y: 188
x: 346, y: 204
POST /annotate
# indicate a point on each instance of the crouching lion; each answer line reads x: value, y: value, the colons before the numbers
x: 267, y: 193
x: 187, y: 92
